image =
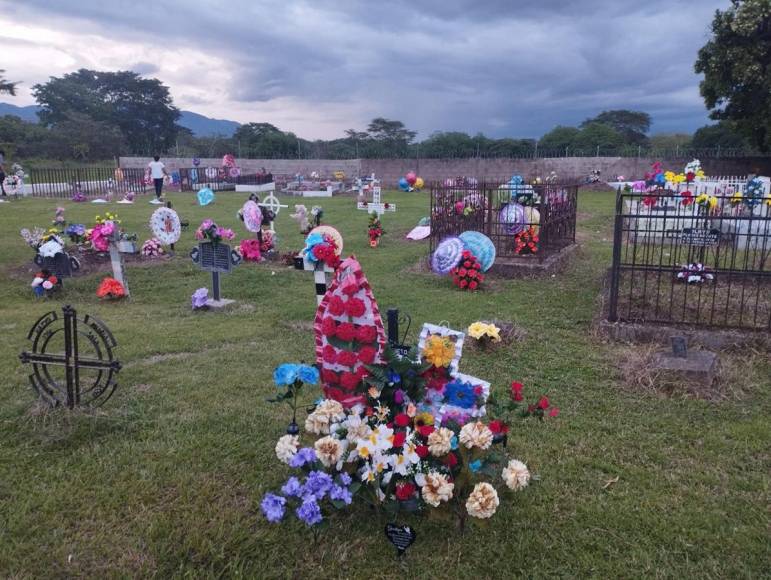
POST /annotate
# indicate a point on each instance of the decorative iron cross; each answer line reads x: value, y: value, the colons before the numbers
x: 86, y: 335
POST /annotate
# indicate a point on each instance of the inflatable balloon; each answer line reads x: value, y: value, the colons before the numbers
x: 512, y: 218
x: 403, y: 185
x: 411, y: 177
x: 481, y: 246
x: 205, y: 196
x: 447, y: 255
x: 419, y: 183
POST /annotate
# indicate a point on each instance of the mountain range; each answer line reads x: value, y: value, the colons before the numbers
x: 200, y: 125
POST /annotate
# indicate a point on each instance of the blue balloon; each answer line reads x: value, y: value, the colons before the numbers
x: 481, y: 246
x: 205, y: 196
x: 403, y: 185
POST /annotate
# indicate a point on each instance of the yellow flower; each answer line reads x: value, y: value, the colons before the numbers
x: 679, y: 178
x: 424, y: 419
x: 477, y: 330
x: 712, y: 202
x: 494, y: 333
x: 700, y: 173
x: 439, y: 350
x: 669, y: 176
x: 736, y: 198
x: 768, y: 200
x: 702, y: 198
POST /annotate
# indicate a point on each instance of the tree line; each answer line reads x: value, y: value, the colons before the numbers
x: 94, y: 115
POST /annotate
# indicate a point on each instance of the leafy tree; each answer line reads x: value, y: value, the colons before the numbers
x: 598, y: 135
x: 7, y: 86
x: 382, y: 129
x: 140, y: 108
x: 449, y: 145
x: 84, y: 138
x: 735, y: 63
x: 632, y: 125
x: 559, y: 138
x: 266, y: 140
x: 670, y: 141
x: 724, y: 135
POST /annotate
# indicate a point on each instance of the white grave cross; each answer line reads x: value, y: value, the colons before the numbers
x: 376, y: 205
x: 272, y: 203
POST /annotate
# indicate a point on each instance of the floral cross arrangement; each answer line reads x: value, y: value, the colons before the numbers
x: 209, y: 230
x: 375, y: 230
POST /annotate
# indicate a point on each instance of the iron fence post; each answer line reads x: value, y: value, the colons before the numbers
x: 616, y: 262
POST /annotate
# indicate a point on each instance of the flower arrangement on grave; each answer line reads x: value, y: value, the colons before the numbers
x: 321, y: 248
x: 289, y: 379
x: 686, y: 198
x: 753, y: 192
x: 467, y: 275
x: 59, y: 220
x: 693, y: 171
x: 374, y: 230
x: 152, y: 248
x: 709, y: 202
x: 526, y: 241
x: 78, y: 197
x: 209, y: 230
x: 44, y: 283
x: 110, y: 288
x: 34, y: 237
x: 268, y: 243
x: 107, y: 229
x: 76, y: 233
x: 250, y: 250
x: 694, y: 273
x: 200, y: 299
x: 655, y: 178
x: 484, y: 333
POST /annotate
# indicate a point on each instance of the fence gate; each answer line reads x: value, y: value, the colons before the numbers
x: 678, y: 261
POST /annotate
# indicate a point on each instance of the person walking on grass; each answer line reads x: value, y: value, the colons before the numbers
x: 157, y: 173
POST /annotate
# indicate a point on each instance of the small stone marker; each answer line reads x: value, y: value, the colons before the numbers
x: 402, y: 537
x: 679, y: 346
x: 693, y: 366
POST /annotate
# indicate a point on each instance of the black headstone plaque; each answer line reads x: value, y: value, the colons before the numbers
x: 62, y: 265
x: 402, y: 537
x: 215, y: 257
x: 700, y: 237
x: 679, y: 346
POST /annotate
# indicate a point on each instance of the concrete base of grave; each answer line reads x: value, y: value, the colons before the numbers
x: 531, y: 266
x: 265, y: 187
x: 219, y: 304
x: 697, y: 368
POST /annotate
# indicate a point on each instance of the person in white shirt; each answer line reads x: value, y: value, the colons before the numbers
x: 157, y: 173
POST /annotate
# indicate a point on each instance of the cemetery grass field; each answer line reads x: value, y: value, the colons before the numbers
x: 165, y: 479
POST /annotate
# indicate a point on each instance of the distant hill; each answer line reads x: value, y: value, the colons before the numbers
x: 200, y: 125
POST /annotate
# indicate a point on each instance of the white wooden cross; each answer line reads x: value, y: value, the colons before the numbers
x: 272, y: 203
x: 375, y: 205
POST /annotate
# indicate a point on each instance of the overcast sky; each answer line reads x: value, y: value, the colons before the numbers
x: 317, y: 67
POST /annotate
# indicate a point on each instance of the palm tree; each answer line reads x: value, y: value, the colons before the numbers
x: 7, y: 86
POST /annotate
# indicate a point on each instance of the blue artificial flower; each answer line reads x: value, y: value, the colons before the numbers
x: 272, y: 507
x: 292, y: 487
x: 345, y: 479
x: 475, y: 465
x: 460, y: 394
x: 285, y: 374
x: 310, y: 241
x: 340, y: 493
x: 454, y: 442
x: 309, y: 512
x: 302, y: 457
x: 308, y: 374
x: 394, y: 377
x: 660, y: 179
x: 317, y: 485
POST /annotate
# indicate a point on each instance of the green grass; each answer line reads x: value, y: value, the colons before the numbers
x: 165, y: 480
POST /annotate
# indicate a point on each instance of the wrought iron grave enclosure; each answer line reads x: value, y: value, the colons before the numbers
x: 468, y: 205
x: 658, y: 235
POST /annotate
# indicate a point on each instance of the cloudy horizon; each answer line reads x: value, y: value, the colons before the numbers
x: 319, y: 68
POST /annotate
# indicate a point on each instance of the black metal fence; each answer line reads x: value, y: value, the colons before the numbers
x: 94, y: 182
x: 523, y: 220
x: 688, y: 260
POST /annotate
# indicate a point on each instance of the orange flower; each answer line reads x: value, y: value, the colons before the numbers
x: 110, y: 288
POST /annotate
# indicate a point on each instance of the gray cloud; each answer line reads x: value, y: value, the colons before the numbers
x: 506, y: 68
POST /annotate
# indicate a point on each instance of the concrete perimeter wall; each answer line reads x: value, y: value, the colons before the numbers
x: 390, y: 170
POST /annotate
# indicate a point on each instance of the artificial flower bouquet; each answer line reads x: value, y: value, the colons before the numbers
x: 76, y: 233
x: 110, y: 288
x: 526, y: 241
x: 250, y: 250
x: 321, y: 249
x: 208, y: 230
x: 289, y: 379
x: 374, y: 230
x: 484, y: 333
x: 467, y: 275
x: 694, y: 273
x: 152, y: 248
x: 268, y: 243
x: 106, y: 230
x: 200, y: 299
x: 44, y: 283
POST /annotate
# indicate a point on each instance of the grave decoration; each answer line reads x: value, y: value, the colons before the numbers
x: 108, y: 236
x: 404, y: 433
x: 205, y: 196
x: 50, y: 253
x: 200, y: 299
x: 78, y: 197
x: 13, y: 184
x: 251, y: 214
x: 695, y: 273
x: 152, y: 248
x: 128, y: 198
x: 465, y: 257
x: 376, y: 205
x: 300, y: 215
x: 321, y: 255
x: 420, y: 231
x: 484, y: 333
x: 44, y: 284
x: 271, y: 207
x: 76, y: 233
x: 72, y: 358
x: 59, y: 222
x: 165, y: 226
x: 212, y: 255
x: 467, y: 274
x: 111, y: 289
x: 526, y: 241
x: 289, y: 380
x: 481, y: 247
x: 374, y: 230
x: 411, y: 182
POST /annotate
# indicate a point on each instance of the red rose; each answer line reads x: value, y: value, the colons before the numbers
x: 543, y: 403
x: 402, y: 420
x: 473, y: 285
x: 349, y: 286
x: 328, y: 376
x: 554, y: 412
x: 328, y: 326
x: 422, y: 451
x: 425, y: 430
x: 467, y: 264
x: 477, y: 266
x: 329, y: 354
x: 463, y: 283
x: 405, y: 491
x: 450, y: 460
x: 516, y: 391
x: 336, y: 306
x: 349, y: 381
x: 367, y: 355
x: 355, y: 307
x: 399, y: 439
x: 346, y: 331
x: 361, y: 372
x: 462, y: 272
x: 366, y: 334
x: 369, y: 411
x: 347, y: 358
x: 498, y: 427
